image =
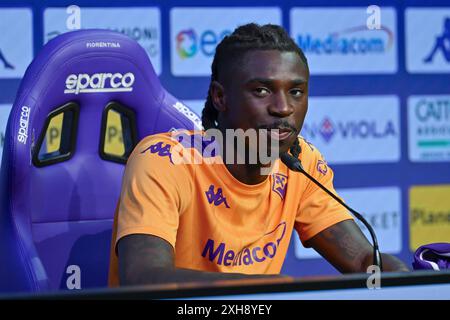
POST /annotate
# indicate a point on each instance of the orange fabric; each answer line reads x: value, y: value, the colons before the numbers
x: 215, y: 222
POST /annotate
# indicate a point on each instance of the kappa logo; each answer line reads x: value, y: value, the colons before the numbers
x: 5, y: 62
x: 279, y: 184
x: 161, y: 149
x: 441, y: 44
x: 216, y: 197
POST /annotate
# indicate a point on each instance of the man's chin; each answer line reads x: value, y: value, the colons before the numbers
x: 285, y: 145
x: 281, y: 149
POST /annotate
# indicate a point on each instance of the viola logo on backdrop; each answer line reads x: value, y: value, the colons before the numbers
x: 364, y: 128
x: 346, y: 40
x: 196, y: 32
x: 358, y: 129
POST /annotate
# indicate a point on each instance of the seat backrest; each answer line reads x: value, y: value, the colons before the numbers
x: 57, y: 207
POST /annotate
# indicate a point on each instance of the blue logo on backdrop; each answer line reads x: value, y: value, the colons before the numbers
x: 327, y: 130
x: 442, y: 44
x: 135, y: 33
x: 188, y: 42
x: 346, y: 42
x: 6, y: 63
x: 351, y: 129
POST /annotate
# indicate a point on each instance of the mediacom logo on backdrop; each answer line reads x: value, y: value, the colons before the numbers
x: 348, y: 41
x: 345, y: 35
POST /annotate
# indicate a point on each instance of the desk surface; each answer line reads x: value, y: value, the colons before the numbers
x: 413, y: 285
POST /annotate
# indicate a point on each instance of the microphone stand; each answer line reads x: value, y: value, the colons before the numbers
x: 294, y: 164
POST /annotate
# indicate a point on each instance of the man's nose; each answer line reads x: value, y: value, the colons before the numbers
x: 280, y: 106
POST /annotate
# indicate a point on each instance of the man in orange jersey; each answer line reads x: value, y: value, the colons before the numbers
x: 211, y: 220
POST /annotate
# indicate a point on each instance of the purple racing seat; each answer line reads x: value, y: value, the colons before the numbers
x: 57, y: 206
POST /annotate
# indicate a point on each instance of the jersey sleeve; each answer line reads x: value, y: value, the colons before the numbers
x: 155, y: 191
x: 317, y: 210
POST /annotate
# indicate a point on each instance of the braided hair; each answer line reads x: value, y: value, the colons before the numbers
x: 247, y: 38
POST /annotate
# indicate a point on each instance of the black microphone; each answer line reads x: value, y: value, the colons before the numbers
x: 295, y: 165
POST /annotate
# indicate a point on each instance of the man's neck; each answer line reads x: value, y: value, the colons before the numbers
x: 247, y: 172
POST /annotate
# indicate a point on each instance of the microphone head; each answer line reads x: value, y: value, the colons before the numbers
x: 291, y: 162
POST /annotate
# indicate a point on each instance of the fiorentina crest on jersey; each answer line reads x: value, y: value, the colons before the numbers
x: 279, y: 184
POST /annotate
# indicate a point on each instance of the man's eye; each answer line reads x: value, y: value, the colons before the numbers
x: 261, y: 91
x: 296, y: 92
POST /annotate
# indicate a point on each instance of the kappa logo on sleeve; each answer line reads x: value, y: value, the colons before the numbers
x: 216, y: 197
x: 311, y: 146
x: 161, y: 149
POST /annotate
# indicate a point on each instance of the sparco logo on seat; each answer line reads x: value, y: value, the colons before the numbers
x: 99, y: 82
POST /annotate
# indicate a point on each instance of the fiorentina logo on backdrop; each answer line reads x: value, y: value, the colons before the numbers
x: 327, y: 130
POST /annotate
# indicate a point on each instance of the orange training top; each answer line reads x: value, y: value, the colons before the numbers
x: 214, y: 221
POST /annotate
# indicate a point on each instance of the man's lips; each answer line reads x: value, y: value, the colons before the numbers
x: 280, y: 134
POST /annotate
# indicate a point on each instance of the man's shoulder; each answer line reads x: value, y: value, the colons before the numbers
x: 312, y: 159
x: 171, y: 137
x: 166, y: 139
x: 175, y: 147
x: 308, y: 150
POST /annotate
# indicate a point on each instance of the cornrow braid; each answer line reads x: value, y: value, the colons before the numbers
x: 296, y: 149
x: 247, y: 38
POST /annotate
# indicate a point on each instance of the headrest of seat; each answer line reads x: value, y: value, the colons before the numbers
x: 77, y: 64
x: 93, y: 68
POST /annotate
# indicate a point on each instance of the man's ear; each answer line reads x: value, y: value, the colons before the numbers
x: 217, y: 92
